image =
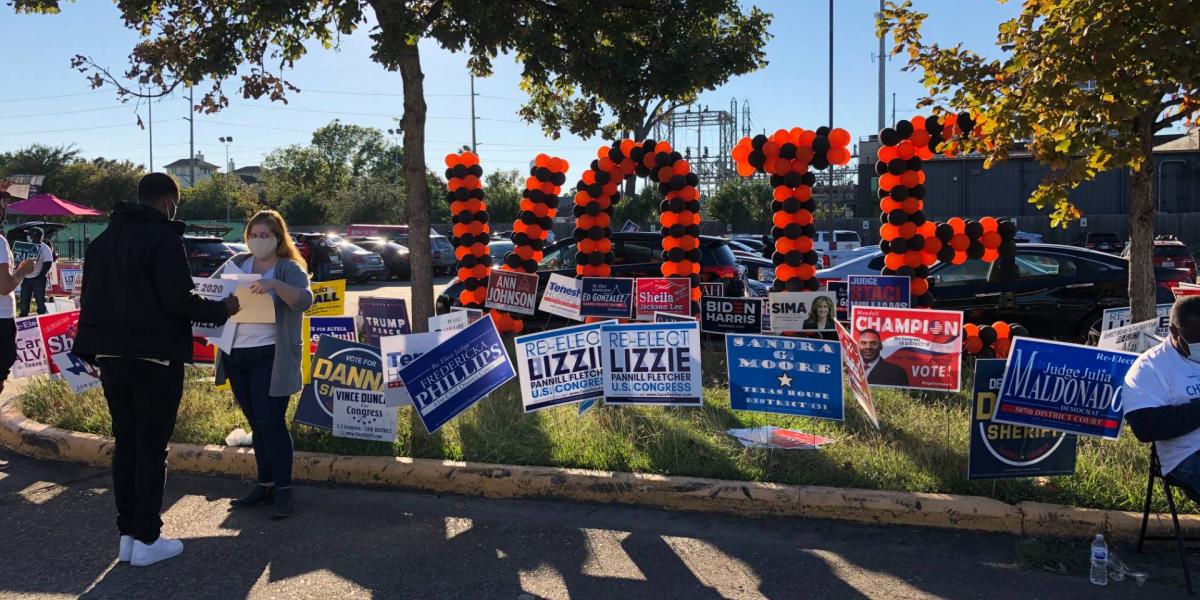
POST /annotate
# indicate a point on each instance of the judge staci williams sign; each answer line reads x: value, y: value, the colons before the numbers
x: 560, y: 366
x: 791, y: 376
x: 1003, y: 451
x: 652, y: 363
x: 1064, y: 387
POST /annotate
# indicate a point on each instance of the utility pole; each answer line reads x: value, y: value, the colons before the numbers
x: 150, y: 109
x: 227, y: 140
x: 893, y: 108
x: 831, y: 243
x: 192, y: 135
x: 882, y: 77
x: 473, y: 150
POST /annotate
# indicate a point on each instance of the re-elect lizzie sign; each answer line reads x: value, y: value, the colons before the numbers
x: 1064, y: 387
x: 560, y: 366
x: 652, y: 363
x: 909, y: 348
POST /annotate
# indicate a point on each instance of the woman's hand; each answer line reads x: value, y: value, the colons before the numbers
x: 263, y: 286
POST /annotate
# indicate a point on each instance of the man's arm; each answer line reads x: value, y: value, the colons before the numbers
x: 176, y: 290
x: 1164, y: 422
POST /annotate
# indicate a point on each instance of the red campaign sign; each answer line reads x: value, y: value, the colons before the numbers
x: 910, y: 348
x: 662, y: 295
x: 203, y: 353
x: 856, y: 373
x: 58, y: 334
x: 1183, y: 292
x: 512, y: 291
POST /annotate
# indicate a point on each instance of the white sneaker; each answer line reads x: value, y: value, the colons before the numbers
x: 126, y: 549
x: 148, y: 554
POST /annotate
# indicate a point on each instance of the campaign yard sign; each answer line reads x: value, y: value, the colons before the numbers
x: 1120, y: 317
x: 31, y: 352
x: 451, y: 321
x: 662, y: 295
x: 766, y: 275
x: 607, y: 297
x: 400, y: 350
x: 58, y: 334
x: 1064, y: 387
x: 712, y: 289
x: 26, y: 251
x: 856, y: 374
x: 791, y: 376
x: 211, y: 289
x: 841, y: 291
x: 670, y: 318
x: 458, y: 373
x: 730, y: 315
x: 1000, y: 451
x: 652, y: 363
x: 312, y: 328
x: 382, y: 317
x: 329, y: 298
x: 80, y: 376
x: 1138, y: 337
x: 512, y: 291
x: 802, y: 311
x: 345, y: 395
x: 560, y: 366
x: 562, y: 296
x: 888, y: 291
x: 909, y: 348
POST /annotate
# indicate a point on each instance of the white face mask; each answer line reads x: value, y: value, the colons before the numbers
x: 263, y: 248
x: 1194, y: 353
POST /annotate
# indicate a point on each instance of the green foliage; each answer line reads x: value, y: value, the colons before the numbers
x: 639, y: 208
x: 38, y: 159
x: 743, y: 203
x: 212, y: 198
x: 370, y: 201
x: 99, y: 183
x: 302, y: 207
x: 504, y: 189
x: 1083, y: 84
x: 632, y: 62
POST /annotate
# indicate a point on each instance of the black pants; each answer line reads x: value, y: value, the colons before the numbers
x: 8, y: 347
x: 143, y: 398
x: 33, y: 289
x: 249, y: 372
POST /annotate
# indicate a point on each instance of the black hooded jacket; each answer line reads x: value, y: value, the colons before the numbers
x: 138, y: 299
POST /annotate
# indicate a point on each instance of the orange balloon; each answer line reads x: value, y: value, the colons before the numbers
x: 888, y: 232
x: 839, y: 137
x: 970, y: 330
x: 990, y: 255
x: 893, y: 261
x: 480, y: 294
x: 802, y: 218
x: 745, y: 169
x: 910, y: 179
x: 973, y: 344
x: 932, y: 245
x: 781, y: 192
x: 668, y: 219
x: 806, y: 271
x: 887, y: 153
x: 1002, y: 329
x: 960, y: 242
x: 918, y: 286
x: 989, y: 224
x: 1002, y: 346
x: 465, y: 298
x: 785, y: 272
x: 908, y: 230
x: 990, y: 240
x: 928, y: 259
x: 957, y: 224
x: 959, y: 258
x: 912, y: 258
x: 804, y: 243
x: 802, y: 193
x: 838, y: 156
x: 905, y: 150
x: 785, y: 245
x: 781, y: 219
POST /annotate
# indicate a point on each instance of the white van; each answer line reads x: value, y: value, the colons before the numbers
x: 838, y: 245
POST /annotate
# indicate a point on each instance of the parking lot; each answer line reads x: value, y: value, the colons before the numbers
x: 386, y: 289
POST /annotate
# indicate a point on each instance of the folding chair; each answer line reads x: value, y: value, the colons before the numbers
x: 1168, y: 482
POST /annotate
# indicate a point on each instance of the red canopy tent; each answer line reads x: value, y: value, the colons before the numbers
x: 49, y: 205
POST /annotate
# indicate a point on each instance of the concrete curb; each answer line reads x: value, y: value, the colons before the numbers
x: 742, y: 498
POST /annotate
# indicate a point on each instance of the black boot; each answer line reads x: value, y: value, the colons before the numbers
x: 283, y: 504
x: 260, y: 495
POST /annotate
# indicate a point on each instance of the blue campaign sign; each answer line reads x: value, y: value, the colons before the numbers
x: 560, y: 366
x: 791, y: 376
x: 607, y: 297
x: 450, y: 378
x: 652, y: 363
x: 339, y: 367
x: 887, y: 291
x: 1004, y: 451
x: 1064, y: 387
x: 841, y: 290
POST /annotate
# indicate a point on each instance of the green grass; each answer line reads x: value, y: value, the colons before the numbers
x: 921, y: 447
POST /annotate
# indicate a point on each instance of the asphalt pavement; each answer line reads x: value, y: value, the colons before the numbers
x: 58, y: 540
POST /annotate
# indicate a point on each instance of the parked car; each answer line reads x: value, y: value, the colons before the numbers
x: 1171, y: 253
x: 1055, y: 291
x: 442, y: 249
x: 755, y: 242
x: 360, y: 264
x: 205, y: 254
x: 306, y: 241
x: 1104, y: 242
x: 20, y: 233
x: 238, y: 247
x: 498, y: 248
x: 837, y: 244
x: 637, y: 254
x: 395, y: 257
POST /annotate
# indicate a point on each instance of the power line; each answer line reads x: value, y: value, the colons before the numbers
x: 77, y: 128
x: 401, y: 95
x: 51, y: 97
x: 64, y: 112
x: 362, y: 114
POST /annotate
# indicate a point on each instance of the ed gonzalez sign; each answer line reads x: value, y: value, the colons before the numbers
x: 1064, y: 387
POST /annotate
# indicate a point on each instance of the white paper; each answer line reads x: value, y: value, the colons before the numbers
x: 1138, y: 337
x: 78, y: 374
x: 211, y: 289
x: 397, y: 352
x: 451, y: 321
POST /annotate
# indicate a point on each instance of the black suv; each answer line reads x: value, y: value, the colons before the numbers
x: 205, y: 254
x: 636, y: 254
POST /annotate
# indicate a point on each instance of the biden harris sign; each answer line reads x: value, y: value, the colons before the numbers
x: 791, y: 376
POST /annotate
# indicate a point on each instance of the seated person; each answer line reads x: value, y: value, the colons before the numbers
x: 1161, y: 398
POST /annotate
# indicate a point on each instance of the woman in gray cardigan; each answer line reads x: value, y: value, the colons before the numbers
x: 263, y: 364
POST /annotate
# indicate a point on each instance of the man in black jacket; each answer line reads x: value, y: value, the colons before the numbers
x: 135, y: 323
x: 1161, y: 397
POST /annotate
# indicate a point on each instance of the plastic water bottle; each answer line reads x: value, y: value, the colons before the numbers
x: 1099, y: 561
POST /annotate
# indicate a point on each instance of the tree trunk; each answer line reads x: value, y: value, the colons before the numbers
x: 419, y: 207
x: 1142, y: 286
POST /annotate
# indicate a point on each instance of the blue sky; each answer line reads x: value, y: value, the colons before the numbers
x: 48, y: 102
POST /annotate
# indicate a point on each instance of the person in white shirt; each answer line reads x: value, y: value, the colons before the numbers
x: 34, y: 286
x: 10, y: 278
x: 1161, y: 397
